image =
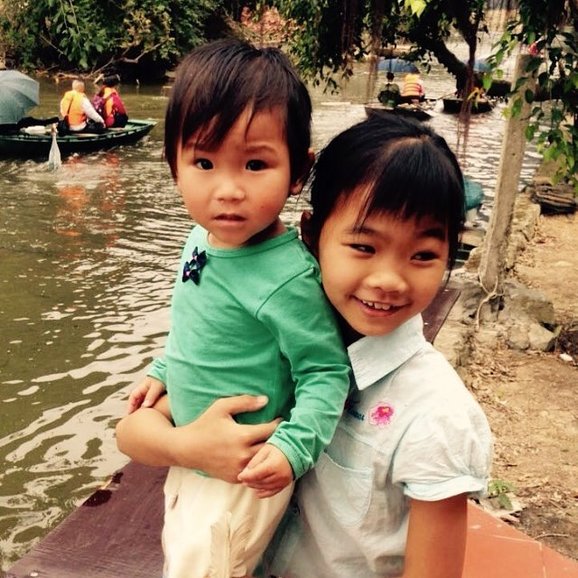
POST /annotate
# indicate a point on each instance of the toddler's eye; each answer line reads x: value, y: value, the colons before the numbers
x: 204, y: 164
x: 255, y: 165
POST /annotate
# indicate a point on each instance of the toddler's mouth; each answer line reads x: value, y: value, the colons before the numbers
x: 229, y: 217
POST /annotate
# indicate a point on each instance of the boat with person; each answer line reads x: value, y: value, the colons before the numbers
x: 412, y: 110
x: 454, y: 104
x: 34, y: 142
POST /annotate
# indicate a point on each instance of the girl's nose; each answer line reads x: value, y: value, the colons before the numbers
x: 387, y: 279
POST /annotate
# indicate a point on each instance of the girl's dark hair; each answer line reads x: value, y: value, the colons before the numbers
x: 111, y: 81
x: 406, y: 168
x: 216, y: 82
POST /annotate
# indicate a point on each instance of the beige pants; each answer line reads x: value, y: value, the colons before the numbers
x: 215, y: 529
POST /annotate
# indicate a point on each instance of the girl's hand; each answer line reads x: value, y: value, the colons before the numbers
x: 214, y: 442
x: 146, y: 394
x: 217, y: 444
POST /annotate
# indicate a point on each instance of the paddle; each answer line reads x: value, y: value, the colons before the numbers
x: 54, y: 158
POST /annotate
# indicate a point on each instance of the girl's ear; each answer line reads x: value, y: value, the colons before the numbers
x: 297, y: 186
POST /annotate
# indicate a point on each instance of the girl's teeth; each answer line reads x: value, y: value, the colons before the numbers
x: 374, y: 305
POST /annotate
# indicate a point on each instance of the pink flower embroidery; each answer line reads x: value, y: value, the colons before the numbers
x: 381, y: 414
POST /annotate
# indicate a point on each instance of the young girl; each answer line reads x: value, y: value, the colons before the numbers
x: 389, y: 495
x: 248, y: 314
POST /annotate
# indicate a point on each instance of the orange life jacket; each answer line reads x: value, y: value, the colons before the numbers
x: 107, y: 96
x: 412, y: 86
x: 71, y: 106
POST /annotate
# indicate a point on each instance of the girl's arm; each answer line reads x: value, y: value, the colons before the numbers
x: 214, y: 442
x: 436, y: 540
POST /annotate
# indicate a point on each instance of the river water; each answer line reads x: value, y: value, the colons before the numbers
x: 87, y: 262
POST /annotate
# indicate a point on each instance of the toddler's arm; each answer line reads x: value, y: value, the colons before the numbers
x: 268, y: 472
x: 300, y: 318
x: 146, y: 394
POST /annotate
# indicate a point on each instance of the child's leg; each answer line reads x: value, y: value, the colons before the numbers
x: 215, y: 529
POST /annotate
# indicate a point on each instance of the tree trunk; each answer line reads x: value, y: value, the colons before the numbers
x: 492, y: 263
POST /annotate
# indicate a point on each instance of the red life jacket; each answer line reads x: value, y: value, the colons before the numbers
x: 113, y: 109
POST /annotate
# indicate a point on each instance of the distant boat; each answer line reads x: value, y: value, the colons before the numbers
x: 416, y: 111
x: 35, y: 144
x: 453, y: 105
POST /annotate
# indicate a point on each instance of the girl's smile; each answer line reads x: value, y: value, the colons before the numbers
x: 383, y: 271
x: 379, y: 307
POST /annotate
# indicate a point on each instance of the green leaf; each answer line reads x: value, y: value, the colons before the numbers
x: 416, y: 7
x: 530, y: 132
x: 516, y: 107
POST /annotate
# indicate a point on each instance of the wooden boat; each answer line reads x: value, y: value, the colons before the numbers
x: 35, y: 144
x: 453, y: 105
x: 416, y: 111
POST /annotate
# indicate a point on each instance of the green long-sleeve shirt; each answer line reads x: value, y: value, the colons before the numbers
x: 257, y: 323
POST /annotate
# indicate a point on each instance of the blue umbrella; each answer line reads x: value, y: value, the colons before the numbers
x: 18, y: 94
x: 397, y: 65
x: 480, y: 65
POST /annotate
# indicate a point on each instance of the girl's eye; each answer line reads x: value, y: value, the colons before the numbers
x: 204, y: 164
x: 255, y: 165
x: 425, y: 256
x: 358, y: 247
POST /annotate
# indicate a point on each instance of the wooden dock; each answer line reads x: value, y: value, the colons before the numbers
x: 116, y: 532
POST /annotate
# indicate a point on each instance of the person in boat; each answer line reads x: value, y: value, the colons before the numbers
x: 412, y: 90
x: 27, y: 122
x: 388, y: 496
x: 389, y: 94
x: 77, y: 110
x: 248, y: 311
x: 109, y: 104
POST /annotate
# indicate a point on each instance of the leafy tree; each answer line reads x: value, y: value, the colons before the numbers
x: 332, y: 34
x: 85, y: 35
x: 550, y: 28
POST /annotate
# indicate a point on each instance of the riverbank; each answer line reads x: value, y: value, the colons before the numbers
x: 530, y: 397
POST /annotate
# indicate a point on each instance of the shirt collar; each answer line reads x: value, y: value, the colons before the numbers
x: 372, y: 358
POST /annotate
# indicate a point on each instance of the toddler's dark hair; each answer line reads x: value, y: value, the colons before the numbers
x: 218, y: 81
x: 407, y: 168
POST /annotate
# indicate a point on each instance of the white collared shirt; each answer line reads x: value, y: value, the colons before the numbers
x: 411, y: 429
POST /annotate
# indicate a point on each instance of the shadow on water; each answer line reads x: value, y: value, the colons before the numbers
x: 88, y: 258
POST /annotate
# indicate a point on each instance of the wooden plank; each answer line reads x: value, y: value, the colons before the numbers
x: 436, y: 314
x: 116, y: 532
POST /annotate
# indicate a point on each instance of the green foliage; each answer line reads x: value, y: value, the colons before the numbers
x: 499, y: 489
x: 331, y: 34
x: 554, y: 117
x: 86, y: 35
x: 325, y: 29
x: 416, y: 6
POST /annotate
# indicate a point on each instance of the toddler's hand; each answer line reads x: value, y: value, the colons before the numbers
x: 145, y: 394
x: 268, y: 472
